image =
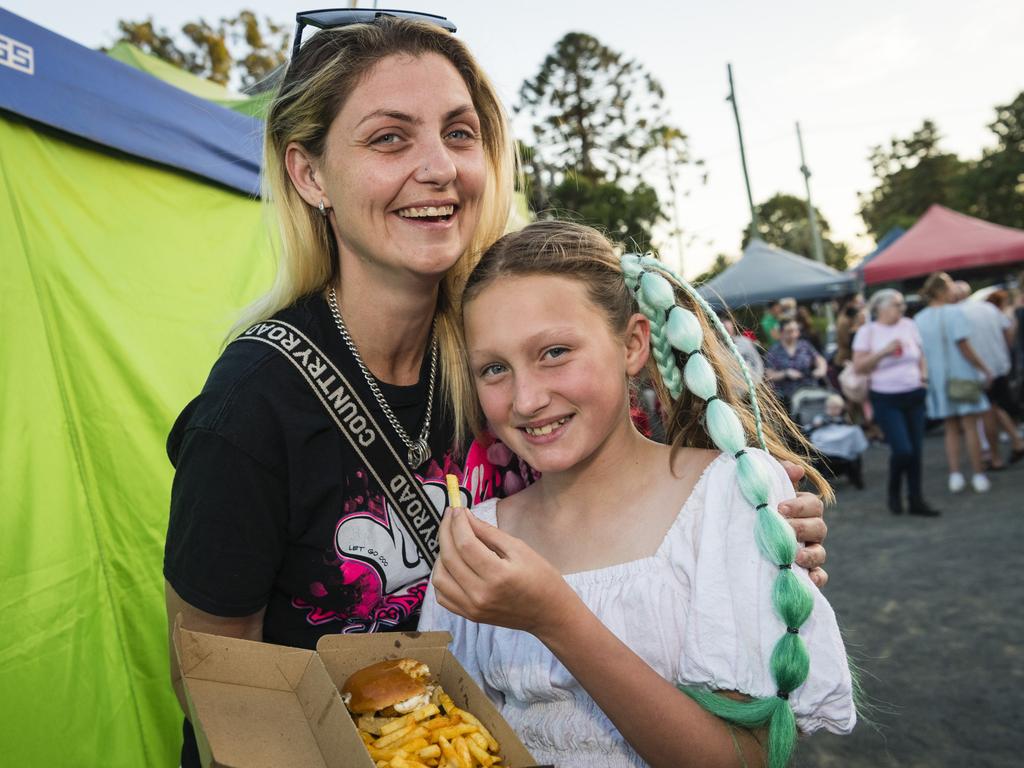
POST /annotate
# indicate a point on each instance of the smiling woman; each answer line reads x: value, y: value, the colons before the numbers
x: 402, y: 175
x: 388, y: 166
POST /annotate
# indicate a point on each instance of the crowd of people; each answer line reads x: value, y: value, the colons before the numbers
x: 889, y: 376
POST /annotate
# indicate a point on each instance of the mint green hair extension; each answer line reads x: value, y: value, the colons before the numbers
x: 634, y: 265
x: 675, y: 328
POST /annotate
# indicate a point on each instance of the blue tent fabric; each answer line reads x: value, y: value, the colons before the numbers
x: 54, y: 81
x: 766, y: 273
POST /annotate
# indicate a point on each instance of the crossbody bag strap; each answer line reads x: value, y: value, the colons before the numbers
x: 942, y: 326
x: 355, y: 422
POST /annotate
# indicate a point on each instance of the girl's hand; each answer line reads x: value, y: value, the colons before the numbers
x: 491, y: 577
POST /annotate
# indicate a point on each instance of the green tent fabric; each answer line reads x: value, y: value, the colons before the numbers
x: 133, y: 56
x: 119, y: 280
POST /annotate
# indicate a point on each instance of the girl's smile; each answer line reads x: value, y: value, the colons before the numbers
x: 550, y: 373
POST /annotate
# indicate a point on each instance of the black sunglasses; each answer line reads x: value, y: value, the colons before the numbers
x: 332, y: 18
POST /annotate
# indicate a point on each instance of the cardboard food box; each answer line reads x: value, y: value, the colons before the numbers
x: 256, y: 705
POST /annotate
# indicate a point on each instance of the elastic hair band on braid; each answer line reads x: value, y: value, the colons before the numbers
x: 675, y: 327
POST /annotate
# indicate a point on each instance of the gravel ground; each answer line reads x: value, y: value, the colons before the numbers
x: 933, y: 615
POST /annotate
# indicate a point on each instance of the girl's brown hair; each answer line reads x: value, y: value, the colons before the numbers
x: 583, y: 254
x: 327, y: 69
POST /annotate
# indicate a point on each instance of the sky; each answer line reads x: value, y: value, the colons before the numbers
x: 853, y: 74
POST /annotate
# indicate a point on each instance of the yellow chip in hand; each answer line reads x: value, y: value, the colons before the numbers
x: 454, y: 491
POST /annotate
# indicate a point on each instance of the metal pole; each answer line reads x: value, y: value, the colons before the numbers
x: 671, y: 172
x: 743, y: 155
x: 819, y: 252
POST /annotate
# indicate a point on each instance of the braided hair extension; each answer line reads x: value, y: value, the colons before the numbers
x: 792, y: 600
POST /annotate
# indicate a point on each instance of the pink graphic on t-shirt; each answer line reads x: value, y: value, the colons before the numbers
x: 378, y: 576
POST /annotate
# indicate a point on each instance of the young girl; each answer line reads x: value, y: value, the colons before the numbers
x: 638, y: 604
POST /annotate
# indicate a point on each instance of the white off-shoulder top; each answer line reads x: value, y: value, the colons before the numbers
x: 698, y: 611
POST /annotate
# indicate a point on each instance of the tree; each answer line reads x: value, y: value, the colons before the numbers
x: 625, y: 217
x: 718, y: 266
x: 912, y: 174
x: 598, y: 121
x: 993, y: 187
x: 241, y: 48
x: 782, y: 221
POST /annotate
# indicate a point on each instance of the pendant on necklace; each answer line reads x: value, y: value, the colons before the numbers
x: 418, y: 454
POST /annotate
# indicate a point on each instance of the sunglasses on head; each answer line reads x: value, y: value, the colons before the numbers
x: 333, y: 18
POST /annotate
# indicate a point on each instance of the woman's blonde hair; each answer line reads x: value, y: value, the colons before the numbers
x: 937, y: 285
x: 318, y: 82
x: 583, y: 254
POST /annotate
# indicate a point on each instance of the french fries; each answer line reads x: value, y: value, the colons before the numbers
x: 437, y: 735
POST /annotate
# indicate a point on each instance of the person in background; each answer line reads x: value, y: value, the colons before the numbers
x: 807, y: 330
x: 750, y: 354
x: 944, y: 335
x: 991, y: 335
x: 1003, y: 301
x: 889, y: 351
x: 770, y: 323
x: 840, y: 443
x: 850, y: 318
x: 1017, y: 310
x: 793, y: 363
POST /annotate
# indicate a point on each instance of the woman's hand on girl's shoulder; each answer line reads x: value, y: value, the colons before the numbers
x: 806, y: 514
x: 491, y: 577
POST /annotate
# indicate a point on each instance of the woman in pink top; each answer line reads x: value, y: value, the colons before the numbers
x: 888, y: 350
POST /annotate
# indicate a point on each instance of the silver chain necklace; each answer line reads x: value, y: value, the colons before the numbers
x: 419, y: 451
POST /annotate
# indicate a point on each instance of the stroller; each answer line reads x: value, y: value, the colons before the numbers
x: 807, y: 404
x: 821, y: 415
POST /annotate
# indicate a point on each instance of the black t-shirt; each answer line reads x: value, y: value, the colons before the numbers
x: 266, y: 487
x: 267, y: 495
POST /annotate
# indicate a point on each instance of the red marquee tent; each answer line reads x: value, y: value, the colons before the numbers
x: 947, y: 241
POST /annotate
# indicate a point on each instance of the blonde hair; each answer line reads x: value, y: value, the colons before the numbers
x: 319, y: 80
x: 583, y: 254
x: 937, y: 285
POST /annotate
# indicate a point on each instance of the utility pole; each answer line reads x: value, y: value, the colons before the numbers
x: 671, y: 174
x: 819, y: 252
x: 743, y: 155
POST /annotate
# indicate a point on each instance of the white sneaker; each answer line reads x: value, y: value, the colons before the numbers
x: 981, y: 484
x: 956, y: 482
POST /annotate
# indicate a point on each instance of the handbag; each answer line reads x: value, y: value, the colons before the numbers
x: 967, y: 391
x: 963, y: 390
x: 854, y: 385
